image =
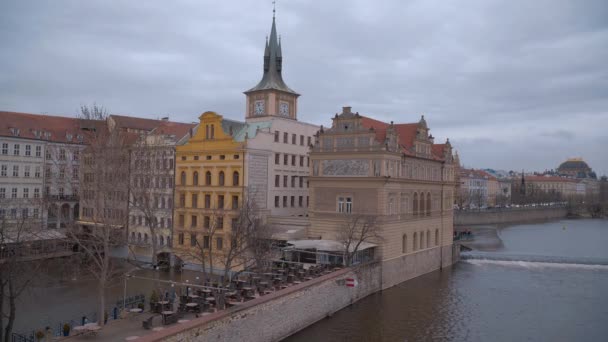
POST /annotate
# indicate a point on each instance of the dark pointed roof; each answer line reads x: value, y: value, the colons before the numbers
x: 273, y: 61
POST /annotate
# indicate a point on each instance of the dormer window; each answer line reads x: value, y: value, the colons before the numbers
x: 79, y: 138
x: 68, y: 136
x: 15, y: 131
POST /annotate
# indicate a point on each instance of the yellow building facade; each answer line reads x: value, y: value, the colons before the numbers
x: 208, y: 191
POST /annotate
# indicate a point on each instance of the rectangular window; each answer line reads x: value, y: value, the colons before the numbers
x: 277, y: 158
x: 293, y: 160
x: 220, y: 222
x: 182, y: 200
x: 62, y: 154
x: 293, y: 139
x: 285, y: 159
x: 301, y: 160
x: 74, y: 172
x: 277, y: 181
x: 28, y: 150
x: 36, y: 213
x: 309, y: 140
x: 301, y: 182
x: 219, y: 243
x: 206, y: 222
x: 75, y: 155
x: 26, y: 171
x: 15, y: 171
x: 2, y: 192
x: 284, y: 201
x: 293, y: 181
x: 194, y: 200
x: 276, y: 136
x: 4, y: 148
x: 234, y: 223
x: 276, y: 201
x: 301, y: 201
x: 26, y: 193
x: 222, y: 157
x: 16, y: 149
x: 24, y: 213
x: 207, y: 201
x: 3, y: 170
x: 345, y: 204
x: 301, y: 140
x: 38, y: 151
x: 235, y: 202
x: 36, y: 193
x: 181, y: 221
x: 180, y: 239
x: 193, y: 221
x: 206, y: 242
x: 293, y: 201
x: 48, y: 154
x: 285, y: 138
x: 285, y: 181
x: 192, y: 240
x: 14, y: 193
x: 220, y: 201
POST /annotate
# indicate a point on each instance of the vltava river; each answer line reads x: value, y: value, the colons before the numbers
x: 491, y: 300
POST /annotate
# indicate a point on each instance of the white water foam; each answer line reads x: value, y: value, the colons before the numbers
x: 534, y: 264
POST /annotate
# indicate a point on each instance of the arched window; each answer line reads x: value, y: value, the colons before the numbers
x: 195, y: 178
x: 161, y: 240
x: 415, y: 239
x: 146, y: 238
x: 212, y: 132
x: 415, y: 205
x: 235, y: 178
x: 183, y: 178
x: 428, y: 239
x: 138, y: 237
x: 404, y: 244
x: 436, y: 237
x: 421, y: 244
x: 428, y: 204
x: 421, y: 205
x: 221, y: 178
x: 208, y: 178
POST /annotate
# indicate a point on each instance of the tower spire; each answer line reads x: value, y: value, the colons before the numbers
x: 273, y: 9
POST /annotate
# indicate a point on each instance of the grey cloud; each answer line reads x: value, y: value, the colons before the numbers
x: 505, y: 80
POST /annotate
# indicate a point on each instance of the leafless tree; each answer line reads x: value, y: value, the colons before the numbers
x: 150, y: 179
x: 104, y: 190
x: 356, y: 230
x: 21, y: 245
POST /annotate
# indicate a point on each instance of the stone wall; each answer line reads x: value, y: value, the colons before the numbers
x: 503, y: 216
x: 408, y: 266
x: 278, y: 315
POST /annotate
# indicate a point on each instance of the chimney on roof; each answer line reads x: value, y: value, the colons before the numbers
x: 346, y: 110
x: 166, y: 118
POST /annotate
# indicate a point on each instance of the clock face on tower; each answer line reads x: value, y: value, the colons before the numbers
x: 284, y: 108
x: 259, y: 108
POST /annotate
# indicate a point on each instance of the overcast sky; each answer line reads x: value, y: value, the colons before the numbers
x: 514, y: 84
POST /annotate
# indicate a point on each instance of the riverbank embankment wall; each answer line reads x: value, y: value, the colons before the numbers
x: 506, y: 216
x: 278, y: 315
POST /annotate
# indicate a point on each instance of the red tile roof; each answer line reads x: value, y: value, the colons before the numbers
x: 472, y: 173
x: 174, y: 128
x: 406, y: 133
x: 34, y: 126
x: 548, y: 179
x: 134, y: 122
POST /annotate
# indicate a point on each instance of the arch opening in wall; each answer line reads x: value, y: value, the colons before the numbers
x: 436, y: 237
x: 428, y: 239
x: 428, y: 204
x: 208, y: 178
x: 415, y: 241
x: 183, y: 178
x: 415, y: 204
x: 235, y: 178
x: 404, y: 244
x: 195, y: 178
x: 221, y: 178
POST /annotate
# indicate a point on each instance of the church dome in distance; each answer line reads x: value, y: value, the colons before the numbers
x: 574, y: 163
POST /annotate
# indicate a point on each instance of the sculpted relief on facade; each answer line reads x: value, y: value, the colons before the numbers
x: 355, y: 167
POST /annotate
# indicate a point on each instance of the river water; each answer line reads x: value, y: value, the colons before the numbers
x: 493, y: 300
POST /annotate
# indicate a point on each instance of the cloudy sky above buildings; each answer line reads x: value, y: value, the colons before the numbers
x: 514, y: 84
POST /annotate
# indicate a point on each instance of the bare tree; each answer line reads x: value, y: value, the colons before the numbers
x: 356, y: 230
x: 104, y: 190
x: 22, y: 248
x: 151, y: 178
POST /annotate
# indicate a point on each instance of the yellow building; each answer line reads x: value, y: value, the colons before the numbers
x: 208, y: 190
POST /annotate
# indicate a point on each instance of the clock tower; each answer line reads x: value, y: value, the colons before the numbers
x: 271, y: 96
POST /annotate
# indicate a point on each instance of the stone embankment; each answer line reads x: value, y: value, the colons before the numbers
x: 507, y: 215
x: 278, y: 315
